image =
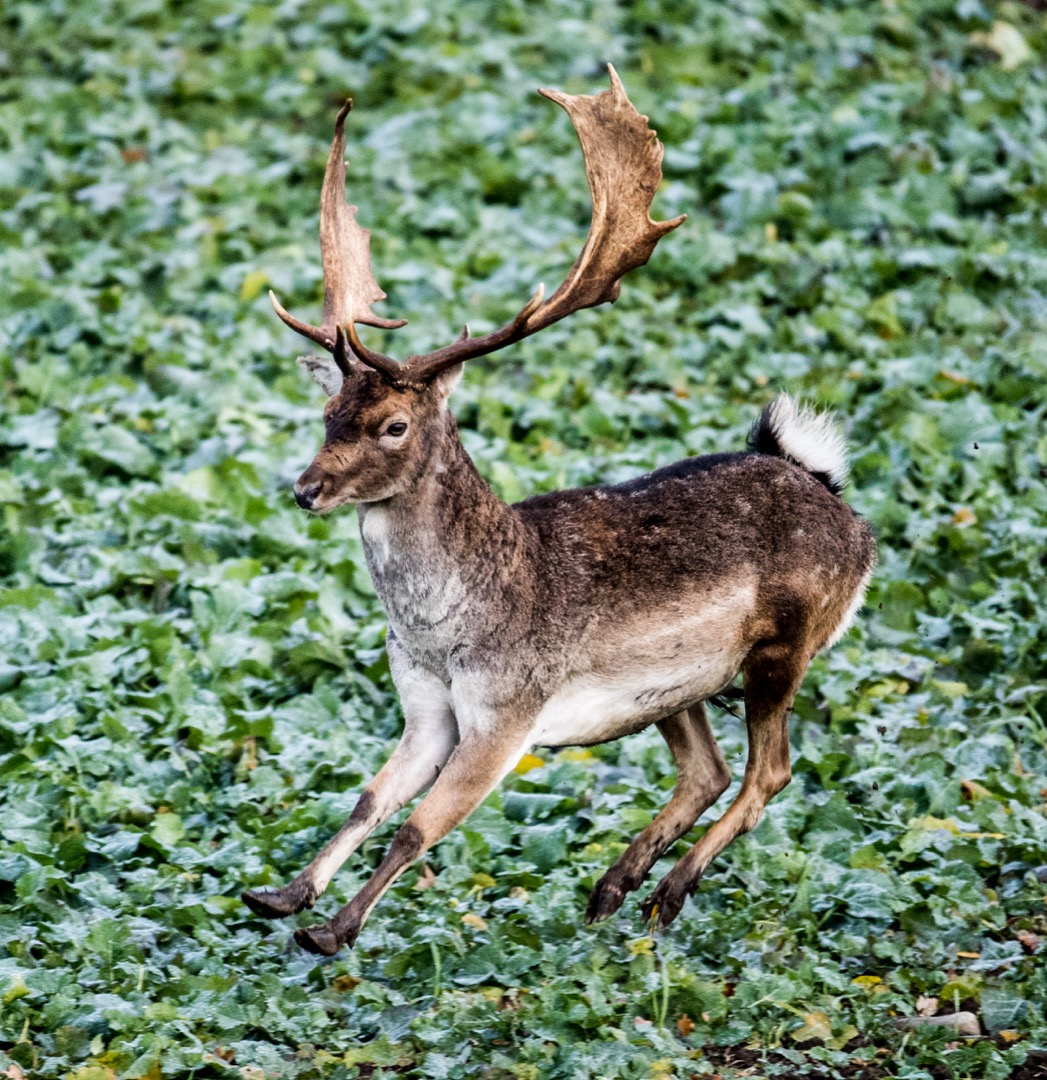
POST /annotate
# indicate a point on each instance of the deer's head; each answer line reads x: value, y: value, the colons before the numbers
x: 383, y: 418
x: 381, y: 436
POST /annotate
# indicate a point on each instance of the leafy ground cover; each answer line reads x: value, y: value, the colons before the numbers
x: 192, y: 671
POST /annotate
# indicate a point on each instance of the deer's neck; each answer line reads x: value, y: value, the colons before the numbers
x: 444, y: 554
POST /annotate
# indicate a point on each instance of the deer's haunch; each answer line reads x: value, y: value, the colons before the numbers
x: 574, y: 617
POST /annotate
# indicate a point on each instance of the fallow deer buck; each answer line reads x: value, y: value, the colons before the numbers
x: 579, y: 616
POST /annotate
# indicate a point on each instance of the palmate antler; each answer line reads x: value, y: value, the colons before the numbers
x: 345, y: 250
x: 623, y: 160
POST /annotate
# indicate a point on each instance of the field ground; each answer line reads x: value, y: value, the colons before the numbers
x: 194, y: 684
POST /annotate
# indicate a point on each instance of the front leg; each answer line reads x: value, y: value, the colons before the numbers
x: 430, y: 734
x: 475, y: 768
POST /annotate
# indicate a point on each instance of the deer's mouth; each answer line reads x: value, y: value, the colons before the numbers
x: 317, y: 496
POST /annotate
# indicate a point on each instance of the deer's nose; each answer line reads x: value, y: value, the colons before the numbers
x: 306, y: 491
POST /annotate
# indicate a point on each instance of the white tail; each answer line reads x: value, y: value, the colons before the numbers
x: 811, y: 439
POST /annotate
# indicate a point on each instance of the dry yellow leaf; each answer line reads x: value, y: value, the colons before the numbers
x: 1007, y: 42
x: 253, y: 284
x: 933, y: 823
x: 838, y: 1042
x: 527, y: 763
x: 951, y: 376
x: 816, y: 1026
x: 974, y: 791
x: 951, y: 826
x: 1029, y: 940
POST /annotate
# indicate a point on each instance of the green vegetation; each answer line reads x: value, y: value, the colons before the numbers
x: 193, y: 680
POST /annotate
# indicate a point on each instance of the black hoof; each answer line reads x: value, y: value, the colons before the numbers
x: 277, y: 903
x: 605, y: 899
x: 321, y: 940
x: 664, y: 904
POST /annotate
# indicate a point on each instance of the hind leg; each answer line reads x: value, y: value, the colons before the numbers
x: 702, y: 777
x: 771, y: 681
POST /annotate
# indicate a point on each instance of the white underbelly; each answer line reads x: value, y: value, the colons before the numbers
x: 593, y: 708
x: 651, y: 669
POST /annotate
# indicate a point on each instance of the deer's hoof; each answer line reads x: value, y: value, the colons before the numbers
x: 321, y: 940
x: 665, y: 903
x: 277, y: 903
x: 607, y: 897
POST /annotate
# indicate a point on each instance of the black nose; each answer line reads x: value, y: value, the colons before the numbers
x: 305, y: 495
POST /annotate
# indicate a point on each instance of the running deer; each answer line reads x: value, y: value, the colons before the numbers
x: 579, y: 616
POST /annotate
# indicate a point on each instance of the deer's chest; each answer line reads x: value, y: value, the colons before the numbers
x: 424, y: 597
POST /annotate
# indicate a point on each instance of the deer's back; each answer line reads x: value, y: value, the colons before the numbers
x: 745, y: 538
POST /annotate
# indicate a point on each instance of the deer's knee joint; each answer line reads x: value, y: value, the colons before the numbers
x: 777, y: 780
x: 720, y: 780
x: 705, y: 789
x: 407, y: 844
x: 752, y: 815
x: 363, y: 809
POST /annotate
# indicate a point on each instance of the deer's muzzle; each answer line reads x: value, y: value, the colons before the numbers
x: 309, y: 487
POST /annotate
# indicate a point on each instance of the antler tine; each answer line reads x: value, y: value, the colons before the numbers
x: 345, y: 248
x: 623, y: 164
x: 424, y: 368
x: 385, y: 365
x: 341, y: 352
x: 313, y: 333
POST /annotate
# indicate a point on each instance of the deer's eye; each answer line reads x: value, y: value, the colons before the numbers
x: 396, y: 429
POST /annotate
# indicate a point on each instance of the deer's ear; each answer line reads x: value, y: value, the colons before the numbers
x: 324, y: 370
x: 447, y: 380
